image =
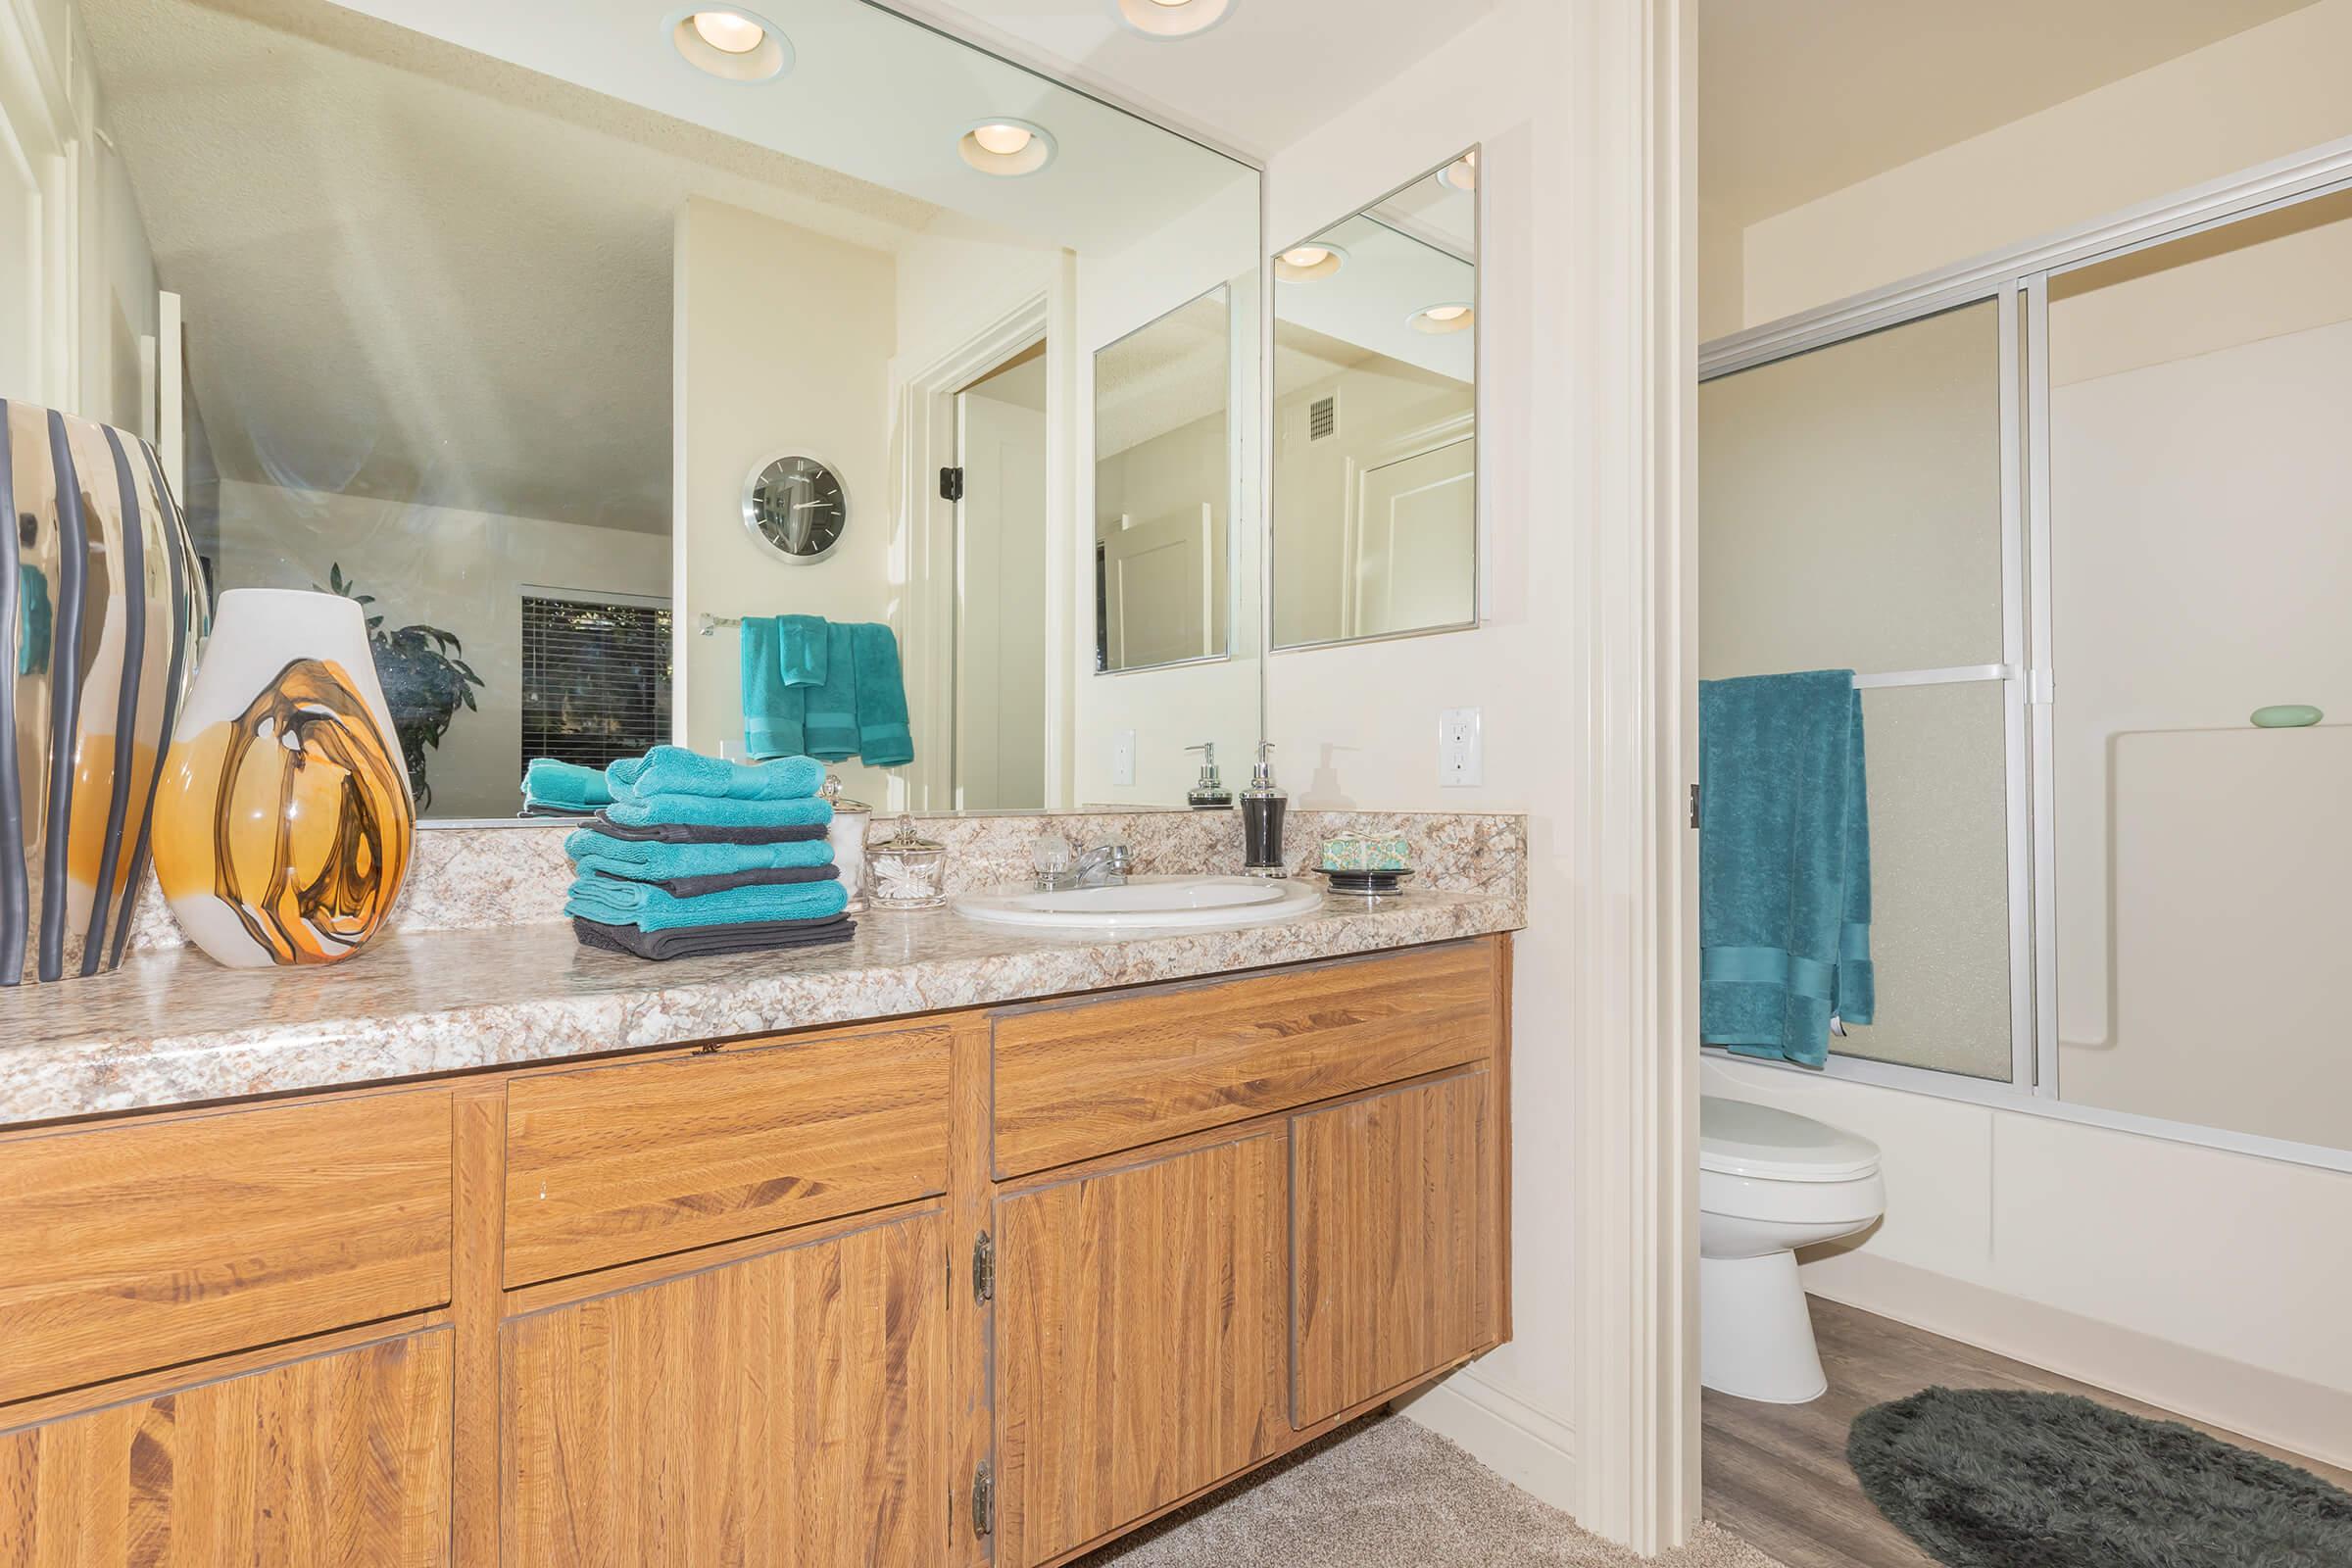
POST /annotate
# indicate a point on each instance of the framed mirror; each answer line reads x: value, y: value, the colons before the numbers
x: 500, y: 314
x: 796, y: 505
x: 1163, y: 490
x: 1375, y: 519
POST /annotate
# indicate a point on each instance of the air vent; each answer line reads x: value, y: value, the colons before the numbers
x: 1322, y: 418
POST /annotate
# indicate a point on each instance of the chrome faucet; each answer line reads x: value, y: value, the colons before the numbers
x: 1106, y: 865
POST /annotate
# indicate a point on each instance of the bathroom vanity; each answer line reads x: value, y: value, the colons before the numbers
x: 941, y: 1285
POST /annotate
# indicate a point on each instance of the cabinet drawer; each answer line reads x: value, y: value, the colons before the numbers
x: 145, y: 1244
x: 633, y: 1160
x: 1088, y: 1078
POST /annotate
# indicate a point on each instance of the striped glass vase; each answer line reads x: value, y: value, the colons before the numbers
x: 283, y: 831
x: 99, y: 622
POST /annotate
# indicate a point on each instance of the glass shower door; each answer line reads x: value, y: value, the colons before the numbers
x: 1859, y: 508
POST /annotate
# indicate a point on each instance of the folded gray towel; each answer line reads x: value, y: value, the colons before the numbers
x: 699, y: 833
x: 695, y: 887
x: 709, y: 940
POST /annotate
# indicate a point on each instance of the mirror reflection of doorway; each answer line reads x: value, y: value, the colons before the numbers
x: 1001, y: 648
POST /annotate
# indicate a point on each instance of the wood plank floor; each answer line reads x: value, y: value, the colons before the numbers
x: 1776, y: 1475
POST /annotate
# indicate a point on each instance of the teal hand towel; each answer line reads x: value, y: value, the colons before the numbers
x: 707, y: 810
x: 648, y: 908
x: 675, y: 771
x: 832, y: 723
x: 547, y: 782
x: 654, y: 861
x: 1784, y: 863
x: 884, y: 739
x: 773, y: 712
x: 803, y: 646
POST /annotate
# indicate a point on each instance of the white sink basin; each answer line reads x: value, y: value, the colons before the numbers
x: 1155, y: 902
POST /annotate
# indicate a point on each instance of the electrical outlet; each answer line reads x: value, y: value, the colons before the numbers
x: 1461, y: 753
x: 1122, y: 758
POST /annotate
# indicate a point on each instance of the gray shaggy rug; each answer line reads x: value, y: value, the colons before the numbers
x: 1990, y: 1479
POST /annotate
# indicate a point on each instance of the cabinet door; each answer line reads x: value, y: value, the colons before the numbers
x: 1141, y: 1329
x: 339, y: 1458
x: 787, y: 1409
x: 1394, y: 1206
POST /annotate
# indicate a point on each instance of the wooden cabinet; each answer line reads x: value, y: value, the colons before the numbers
x: 1142, y: 1328
x: 630, y: 1160
x: 146, y: 1245
x: 736, y: 1306
x: 1080, y: 1079
x: 785, y: 1409
x: 1394, y: 1207
x: 339, y: 1458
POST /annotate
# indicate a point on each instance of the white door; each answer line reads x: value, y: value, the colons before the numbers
x: 1160, y: 587
x: 1000, y: 676
x: 1417, y: 518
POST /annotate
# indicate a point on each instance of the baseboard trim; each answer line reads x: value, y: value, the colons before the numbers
x: 2305, y: 1418
x: 1533, y: 1450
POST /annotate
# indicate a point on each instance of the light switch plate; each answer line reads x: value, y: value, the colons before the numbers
x: 1461, y: 752
x: 1122, y: 757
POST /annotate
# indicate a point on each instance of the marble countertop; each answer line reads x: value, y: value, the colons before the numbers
x: 173, y: 1028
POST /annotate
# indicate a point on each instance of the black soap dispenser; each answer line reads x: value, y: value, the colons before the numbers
x: 1262, y: 808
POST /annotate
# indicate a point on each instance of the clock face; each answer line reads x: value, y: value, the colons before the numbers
x: 797, y: 508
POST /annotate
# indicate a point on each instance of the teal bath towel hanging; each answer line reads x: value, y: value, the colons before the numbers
x: 1784, y: 865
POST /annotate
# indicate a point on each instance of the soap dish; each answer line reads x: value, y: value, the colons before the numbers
x: 1366, y: 884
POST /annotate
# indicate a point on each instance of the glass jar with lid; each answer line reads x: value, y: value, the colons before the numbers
x: 909, y: 871
x: 850, y: 820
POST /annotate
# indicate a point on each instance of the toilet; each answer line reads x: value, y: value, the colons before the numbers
x: 1770, y: 1182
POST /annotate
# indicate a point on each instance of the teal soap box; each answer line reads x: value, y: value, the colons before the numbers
x: 1365, y: 852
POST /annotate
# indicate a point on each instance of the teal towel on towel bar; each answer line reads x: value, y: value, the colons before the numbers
x: 547, y: 782
x: 655, y: 861
x: 648, y: 908
x: 773, y: 712
x: 1784, y: 858
x: 707, y: 810
x: 675, y: 771
x: 803, y: 646
x: 884, y: 739
x: 832, y: 708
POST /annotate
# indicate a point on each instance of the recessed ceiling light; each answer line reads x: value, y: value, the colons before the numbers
x: 1462, y: 174
x: 1173, y: 18
x: 1448, y: 317
x: 733, y: 45
x: 1303, y: 264
x: 728, y: 32
x: 1007, y: 147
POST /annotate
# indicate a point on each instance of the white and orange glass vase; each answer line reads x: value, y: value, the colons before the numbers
x: 284, y: 826
x: 100, y: 620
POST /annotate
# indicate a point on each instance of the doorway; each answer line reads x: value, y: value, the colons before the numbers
x: 1001, y: 640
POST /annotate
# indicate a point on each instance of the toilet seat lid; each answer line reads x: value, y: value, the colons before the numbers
x: 1738, y: 1138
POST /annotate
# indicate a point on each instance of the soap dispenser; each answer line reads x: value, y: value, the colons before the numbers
x: 1208, y: 793
x: 1262, y: 808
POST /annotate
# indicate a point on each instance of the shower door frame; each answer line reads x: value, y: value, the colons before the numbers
x: 2017, y: 280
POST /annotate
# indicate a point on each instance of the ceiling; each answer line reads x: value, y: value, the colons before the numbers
x: 1798, y: 98
x: 1271, y: 71
x: 881, y: 98
x: 419, y: 275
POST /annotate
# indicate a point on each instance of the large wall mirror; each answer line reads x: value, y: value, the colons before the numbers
x: 499, y: 315
x: 1376, y: 418
x: 1163, y: 482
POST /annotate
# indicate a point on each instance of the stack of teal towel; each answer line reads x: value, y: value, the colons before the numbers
x: 695, y: 856
x: 814, y: 688
x: 563, y: 789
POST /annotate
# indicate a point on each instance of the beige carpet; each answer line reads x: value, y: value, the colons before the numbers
x: 1388, y: 1493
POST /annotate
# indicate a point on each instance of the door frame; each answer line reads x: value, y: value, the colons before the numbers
x: 927, y: 413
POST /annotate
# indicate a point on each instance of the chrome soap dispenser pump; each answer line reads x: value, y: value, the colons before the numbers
x: 1262, y: 807
x: 1208, y: 793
